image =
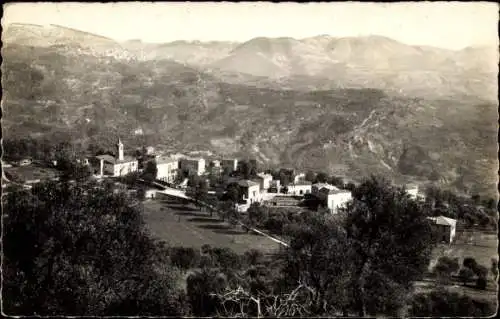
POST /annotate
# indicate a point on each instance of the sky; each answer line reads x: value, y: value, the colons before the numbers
x: 451, y: 25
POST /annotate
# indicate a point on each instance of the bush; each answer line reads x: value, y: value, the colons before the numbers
x: 184, y: 257
x: 446, y: 266
x: 442, y: 303
x: 481, y: 283
x: 465, y: 274
x: 469, y: 262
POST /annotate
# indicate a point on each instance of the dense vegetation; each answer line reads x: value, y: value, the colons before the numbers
x: 79, y: 248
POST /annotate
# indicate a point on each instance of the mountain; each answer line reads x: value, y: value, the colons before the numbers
x: 66, y: 40
x: 194, y: 53
x: 305, y: 121
x: 372, y: 61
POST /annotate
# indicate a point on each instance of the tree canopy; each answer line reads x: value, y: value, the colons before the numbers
x: 80, y: 249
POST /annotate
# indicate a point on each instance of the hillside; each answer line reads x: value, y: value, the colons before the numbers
x: 348, y: 131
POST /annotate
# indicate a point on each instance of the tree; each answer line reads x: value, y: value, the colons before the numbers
x: 390, y: 240
x: 446, y: 266
x: 150, y: 171
x: 481, y: 283
x: 256, y: 214
x: 184, y: 257
x: 310, y: 176
x: 470, y: 263
x: 318, y: 259
x: 494, y: 268
x: 322, y: 177
x: 442, y: 303
x: 284, y: 179
x: 81, y: 249
x: 200, y: 286
x: 465, y: 274
x: 337, y: 181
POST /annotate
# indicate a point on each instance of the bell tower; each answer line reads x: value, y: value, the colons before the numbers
x: 120, y: 149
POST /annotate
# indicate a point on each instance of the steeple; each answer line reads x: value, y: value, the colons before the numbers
x: 120, y: 149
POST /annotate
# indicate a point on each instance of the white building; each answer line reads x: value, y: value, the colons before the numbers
x: 215, y: 163
x: 299, y: 178
x: 194, y: 166
x: 444, y: 228
x: 117, y: 166
x: 250, y: 190
x: 412, y: 190
x: 334, y: 197
x: 337, y: 199
x: 230, y: 165
x: 300, y: 188
x: 264, y: 180
x: 167, y: 169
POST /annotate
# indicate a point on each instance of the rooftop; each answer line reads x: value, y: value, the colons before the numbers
x: 113, y: 160
x: 441, y: 220
x: 165, y: 160
x: 324, y: 185
x: 264, y: 175
x: 302, y: 183
x: 247, y: 183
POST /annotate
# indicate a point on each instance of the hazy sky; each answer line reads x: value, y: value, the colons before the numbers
x: 443, y: 24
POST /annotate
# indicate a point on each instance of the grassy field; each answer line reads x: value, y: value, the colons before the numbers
x: 181, y: 225
x: 31, y: 172
x: 480, y: 246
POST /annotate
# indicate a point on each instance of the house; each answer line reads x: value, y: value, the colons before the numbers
x: 250, y: 191
x: 334, y: 197
x: 215, y: 163
x: 337, y: 199
x: 150, y: 150
x: 167, y: 169
x: 229, y: 165
x: 412, y: 190
x: 444, y: 228
x: 315, y: 188
x: 117, y: 166
x: 264, y: 180
x: 299, y: 178
x: 215, y: 167
x: 194, y: 166
x: 300, y: 188
x: 275, y: 186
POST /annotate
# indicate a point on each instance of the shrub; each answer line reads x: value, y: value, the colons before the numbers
x: 184, y: 257
x: 469, y: 262
x: 481, y: 283
x: 465, y: 274
x: 446, y: 266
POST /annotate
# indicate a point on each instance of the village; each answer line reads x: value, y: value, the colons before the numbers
x: 174, y: 174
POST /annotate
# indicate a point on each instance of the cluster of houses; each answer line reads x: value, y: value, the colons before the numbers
x: 260, y: 189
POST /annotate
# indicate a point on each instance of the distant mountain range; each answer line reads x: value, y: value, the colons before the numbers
x: 351, y: 106
x: 356, y: 62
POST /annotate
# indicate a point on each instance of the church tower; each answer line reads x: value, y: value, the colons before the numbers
x: 120, y: 150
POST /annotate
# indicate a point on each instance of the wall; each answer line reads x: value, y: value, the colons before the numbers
x: 123, y: 169
x: 252, y: 194
x: 193, y: 166
x: 167, y: 171
x: 299, y: 189
x: 338, y: 200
